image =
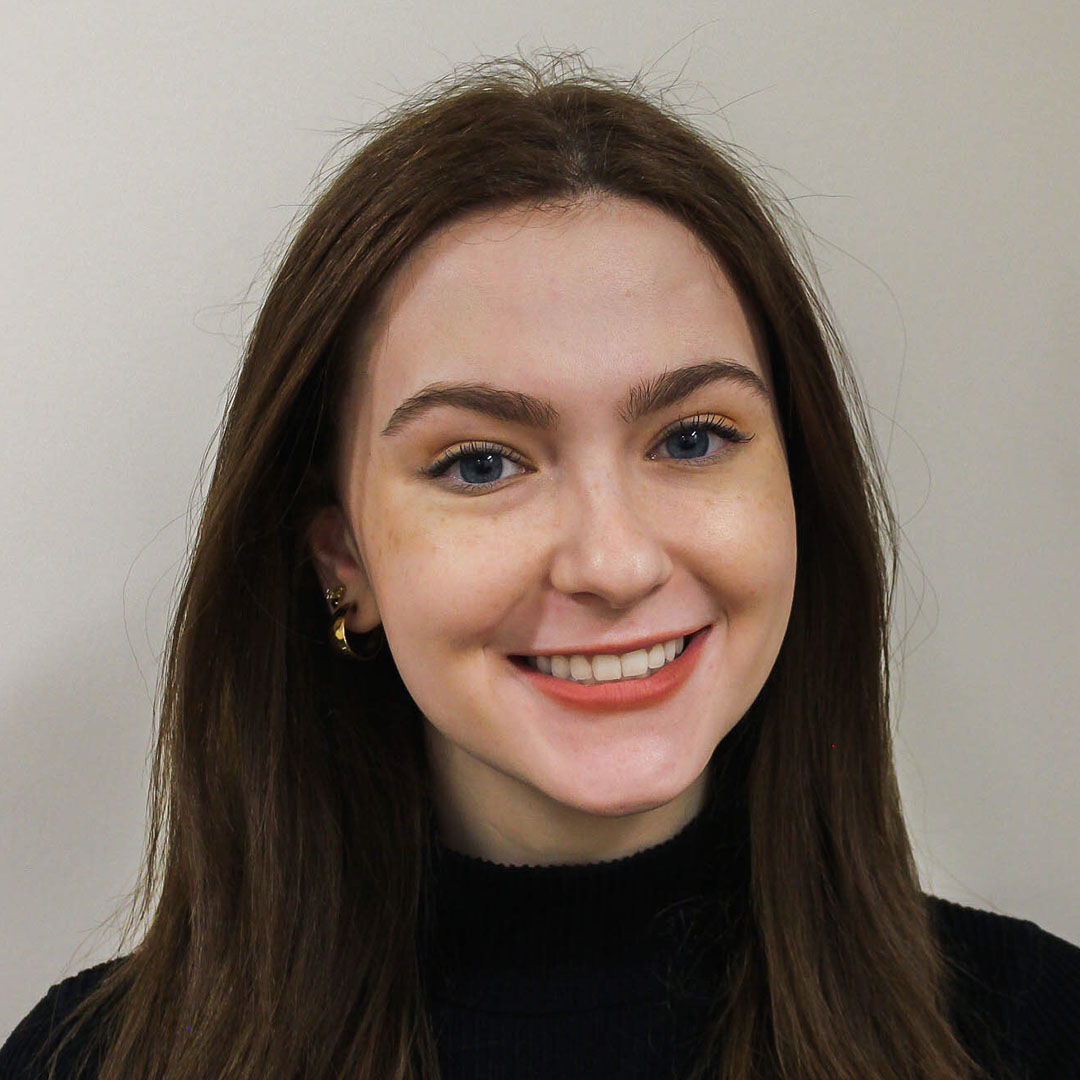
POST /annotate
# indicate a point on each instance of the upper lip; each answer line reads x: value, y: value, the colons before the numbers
x: 612, y: 649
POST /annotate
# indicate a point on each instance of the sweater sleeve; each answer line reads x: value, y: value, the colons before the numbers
x: 1017, y: 984
x: 1050, y: 1017
x: 25, y: 1053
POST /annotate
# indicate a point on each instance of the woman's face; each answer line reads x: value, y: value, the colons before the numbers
x: 594, y: 530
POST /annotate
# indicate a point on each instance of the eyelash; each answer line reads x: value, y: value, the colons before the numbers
x: 718, y: 425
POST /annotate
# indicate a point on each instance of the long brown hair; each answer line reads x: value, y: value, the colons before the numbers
x: 290, y: 811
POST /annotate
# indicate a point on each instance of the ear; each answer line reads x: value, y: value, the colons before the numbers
x: 337, y: 562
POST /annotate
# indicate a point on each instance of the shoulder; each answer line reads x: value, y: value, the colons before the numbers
x: 39, y: 1031
x: 1015, y: 980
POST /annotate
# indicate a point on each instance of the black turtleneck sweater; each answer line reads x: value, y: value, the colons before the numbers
x: 597, y: 971
x: 572, y: 971
x: 564, y: 971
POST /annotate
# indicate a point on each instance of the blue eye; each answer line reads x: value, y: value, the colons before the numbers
x: 480, y: 470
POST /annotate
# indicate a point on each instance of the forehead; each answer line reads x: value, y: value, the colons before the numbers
x: 612, y: 288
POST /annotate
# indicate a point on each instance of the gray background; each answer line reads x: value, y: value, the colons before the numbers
x: 154, y: 158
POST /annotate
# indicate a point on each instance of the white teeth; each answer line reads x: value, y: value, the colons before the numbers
x: 638, y: 664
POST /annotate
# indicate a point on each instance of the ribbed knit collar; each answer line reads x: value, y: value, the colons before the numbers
x: 538, y: 938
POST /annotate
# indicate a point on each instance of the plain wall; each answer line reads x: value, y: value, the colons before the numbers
x: 153, y: 159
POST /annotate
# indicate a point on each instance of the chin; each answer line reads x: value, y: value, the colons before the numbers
x: 626, y: 800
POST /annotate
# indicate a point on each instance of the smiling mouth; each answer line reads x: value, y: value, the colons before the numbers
x: 523, y: 661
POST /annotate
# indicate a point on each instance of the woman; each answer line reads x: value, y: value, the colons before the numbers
x: 539, y: 380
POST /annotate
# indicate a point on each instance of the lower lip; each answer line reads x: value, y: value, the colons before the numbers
x: 625, y: 694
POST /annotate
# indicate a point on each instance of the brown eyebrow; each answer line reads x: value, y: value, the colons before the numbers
x: 643, y: 398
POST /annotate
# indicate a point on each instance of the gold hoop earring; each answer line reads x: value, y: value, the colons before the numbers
x: 339, y: 636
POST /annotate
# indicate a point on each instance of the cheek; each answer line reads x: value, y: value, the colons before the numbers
x: 744, y: 544
x: 749, y: 568
x: 441, y: 577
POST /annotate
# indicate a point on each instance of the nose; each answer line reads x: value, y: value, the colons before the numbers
x: 607, y: 544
